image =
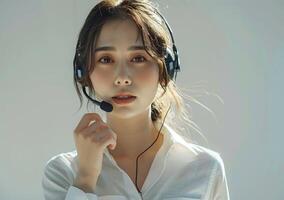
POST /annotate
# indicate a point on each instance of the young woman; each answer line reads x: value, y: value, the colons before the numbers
x: 122, y: 56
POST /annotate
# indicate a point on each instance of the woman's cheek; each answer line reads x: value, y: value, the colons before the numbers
x: 101, y: 74
x: 144, y: 77
x: 101, y: 79
x: 149, y: 75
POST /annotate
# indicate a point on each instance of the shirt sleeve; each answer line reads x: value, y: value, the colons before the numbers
x: 57, y: 183
x: 219, y: 188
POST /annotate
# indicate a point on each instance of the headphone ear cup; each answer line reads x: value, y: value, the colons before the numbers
x: 170, y: 63
x: 78, y: 72
x: 79, y: 75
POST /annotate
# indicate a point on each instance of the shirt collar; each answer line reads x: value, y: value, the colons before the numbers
x: 170, y: 138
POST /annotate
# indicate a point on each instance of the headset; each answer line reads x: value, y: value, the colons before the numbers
x: 171, y: 60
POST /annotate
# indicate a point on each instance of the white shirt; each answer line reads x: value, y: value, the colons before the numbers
x: 179, y: 171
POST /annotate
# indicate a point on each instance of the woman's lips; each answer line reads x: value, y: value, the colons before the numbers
x: 123, y: 100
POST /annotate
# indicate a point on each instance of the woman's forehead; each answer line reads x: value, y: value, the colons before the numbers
x: 119, y: 32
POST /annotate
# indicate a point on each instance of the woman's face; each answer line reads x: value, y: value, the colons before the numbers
x: 122, y: 65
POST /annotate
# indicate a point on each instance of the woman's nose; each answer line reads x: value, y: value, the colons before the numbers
x: 122, y: 77
x: 122, y: 81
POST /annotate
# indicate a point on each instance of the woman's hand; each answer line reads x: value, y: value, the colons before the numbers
x: 91, y: 138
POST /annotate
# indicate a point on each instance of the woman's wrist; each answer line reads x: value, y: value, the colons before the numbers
x: 87, y: 183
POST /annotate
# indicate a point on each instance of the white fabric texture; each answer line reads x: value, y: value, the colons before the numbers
x: 180, y: 170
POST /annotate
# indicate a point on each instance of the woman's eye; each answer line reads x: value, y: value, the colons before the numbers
x: 139, y: 59
x: 105, y: 60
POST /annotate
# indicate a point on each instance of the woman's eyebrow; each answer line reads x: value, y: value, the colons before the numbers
x: 111, y: 48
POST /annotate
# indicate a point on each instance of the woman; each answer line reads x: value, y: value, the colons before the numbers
x: 122, y: 50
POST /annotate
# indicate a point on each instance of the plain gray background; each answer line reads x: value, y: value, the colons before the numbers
x: 233, y: 49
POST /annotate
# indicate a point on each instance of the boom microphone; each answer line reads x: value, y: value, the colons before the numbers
x: 103, y: 105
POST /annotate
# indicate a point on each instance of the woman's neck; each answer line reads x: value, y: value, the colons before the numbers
x: 134, y: 134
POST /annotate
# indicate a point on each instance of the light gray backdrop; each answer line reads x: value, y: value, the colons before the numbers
x: 233, y: 49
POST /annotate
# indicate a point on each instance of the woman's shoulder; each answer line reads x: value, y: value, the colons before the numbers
x: 204, y: 152
x: 59, y: 171
x: 193, y: 151
x: 204, y: 156
x: 62, y: 161
x: 64, y: 157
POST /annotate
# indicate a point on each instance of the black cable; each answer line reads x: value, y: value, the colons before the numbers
x: 146, y: 150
